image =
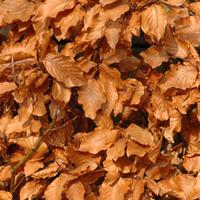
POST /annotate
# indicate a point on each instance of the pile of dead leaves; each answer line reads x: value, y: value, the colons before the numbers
x: 99, y: 99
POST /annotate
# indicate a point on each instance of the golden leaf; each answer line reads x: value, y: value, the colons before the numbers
x: 91, y: 96
x: 63, y: 69
x: 98, y: 140
x: 31, y: 190
x: 154, y: 21
x: 5, y: 173
x: 192, y: 164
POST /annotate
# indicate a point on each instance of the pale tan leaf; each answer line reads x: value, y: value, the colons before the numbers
x: 50, y: 171
x: 140, y: 135
x: 31, y: 190
x: 181, y: 186
x: 4, y: 195
x: 7, y: 87
x: 55, y: 189
x: 154, y: 21
x: 63, y: 69
x: 116, y: 191
x: 175, y: 121
x: 91, y: 97
x: 76, y: 191
x: 180, y: 77
x: 60, y: 93
x: 154, y: 56
x: 98, y: 140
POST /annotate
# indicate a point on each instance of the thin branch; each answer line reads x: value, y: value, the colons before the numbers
x: 32, y: 151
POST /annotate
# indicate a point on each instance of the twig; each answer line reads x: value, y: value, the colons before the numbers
x: 32, y: 151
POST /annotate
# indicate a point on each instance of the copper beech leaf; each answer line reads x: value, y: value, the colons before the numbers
x: 63, y: 69
x: 91, y: 96
x: 98, y: 140
x: 154, y: 21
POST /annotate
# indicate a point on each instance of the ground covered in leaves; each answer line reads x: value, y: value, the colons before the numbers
x: 99, y: 99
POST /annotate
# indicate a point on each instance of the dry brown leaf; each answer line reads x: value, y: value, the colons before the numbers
x: 7, y: 87
x: 188, y: 29
x: 5, y: 173
x: 181, y: 186
x: 32, y: 166
x: 50, y: 171
x: 91, y: 96
x: 180, y: 77
x: 192, y: 164
x: 55, y: 189
x: 117, y: 150
x: 195, y: 7
x: 174, y: 2
x: 116, y: 191
x: 98, y: 140
x: 112, y: 33
x: 159, y: 56
x: 22, y: 10
x: 75, y: 191
x: 31, y: 190
x: 154, y: 21
x: 63, y: 69
x: 106, y: 2
x: 60, y: 93
x: 140, y: 135
x: 71, y: 20
x: 133, y: 148
x: 4, y: 195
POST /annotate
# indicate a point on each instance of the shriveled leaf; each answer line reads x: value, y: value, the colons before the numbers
x: 192, y: 164
x: 5, y: 173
